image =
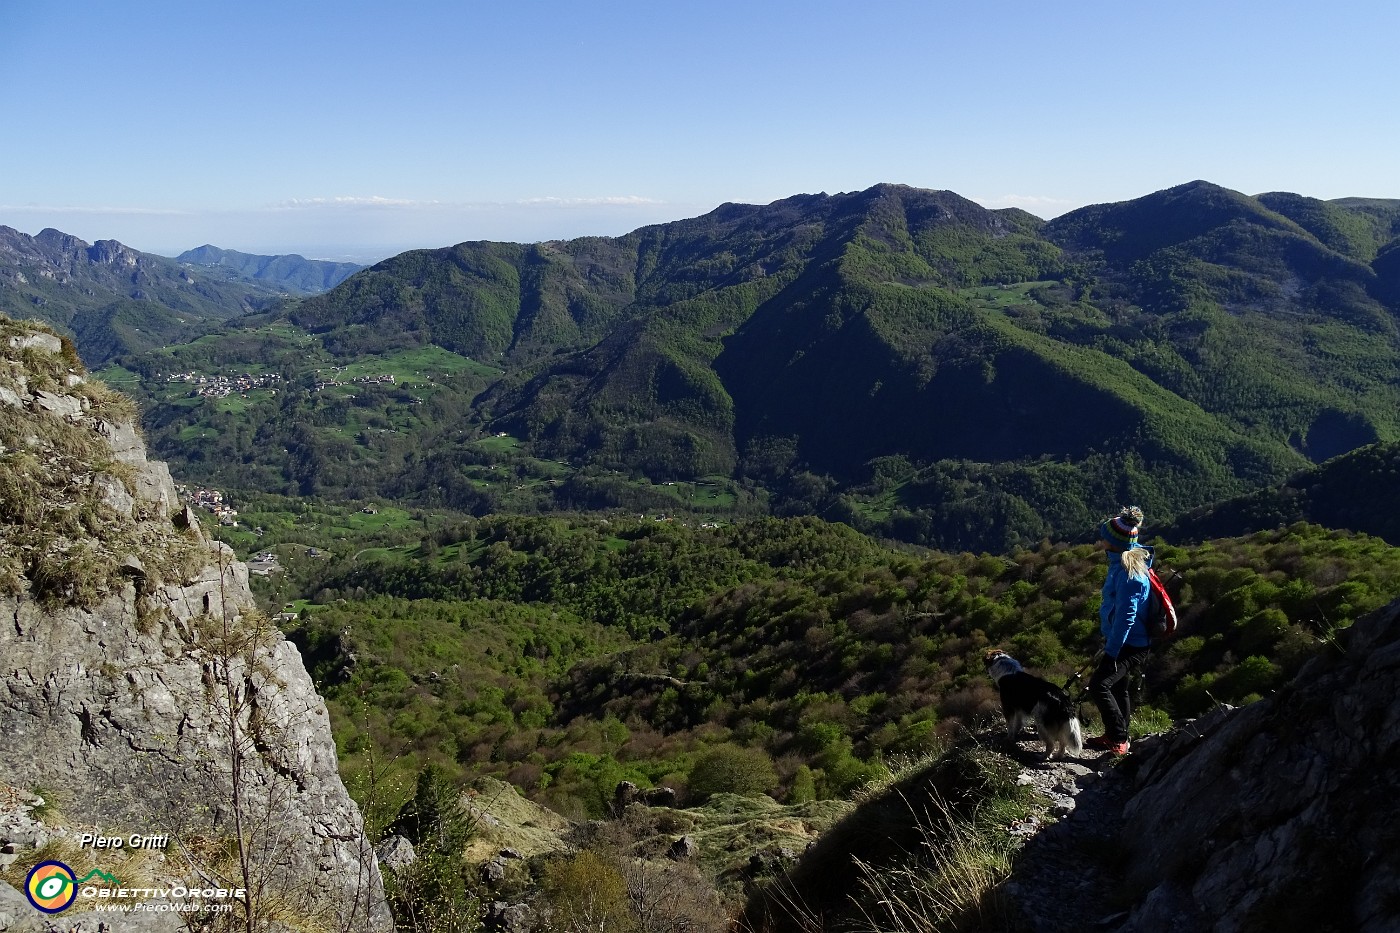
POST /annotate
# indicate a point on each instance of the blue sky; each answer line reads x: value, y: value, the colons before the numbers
x: 360, y: 129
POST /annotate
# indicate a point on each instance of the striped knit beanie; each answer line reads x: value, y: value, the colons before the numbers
x: 1121, y: 530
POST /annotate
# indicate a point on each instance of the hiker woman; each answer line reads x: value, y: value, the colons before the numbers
x: 1123, y: 623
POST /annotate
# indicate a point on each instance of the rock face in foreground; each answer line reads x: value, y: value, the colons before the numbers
x: 140, y: 686
x: 1283, y: 818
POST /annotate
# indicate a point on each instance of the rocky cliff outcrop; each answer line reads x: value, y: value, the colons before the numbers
x: 138, y: 683
x: 1283, y: 818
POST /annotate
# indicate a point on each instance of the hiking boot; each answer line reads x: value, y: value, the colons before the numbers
x: 1118, y: 748
x: 1099, y: 743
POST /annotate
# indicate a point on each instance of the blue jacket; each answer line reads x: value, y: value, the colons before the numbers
x: 1122, y: 613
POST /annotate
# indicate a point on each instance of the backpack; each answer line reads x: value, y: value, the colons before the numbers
x: 1161, y: 614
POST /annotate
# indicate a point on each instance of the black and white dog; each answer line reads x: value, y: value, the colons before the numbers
x: 1025, y: 697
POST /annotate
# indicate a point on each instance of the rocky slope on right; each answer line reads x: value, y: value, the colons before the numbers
x: 1282, y: 818
x: 1276, y: 816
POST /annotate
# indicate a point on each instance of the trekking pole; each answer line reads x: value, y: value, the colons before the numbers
x: 1074, y: 680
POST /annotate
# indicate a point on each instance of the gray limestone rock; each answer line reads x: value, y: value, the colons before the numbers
x: 395, y: 853
x: 155, y: 719
x: 502, y: 917
x: 492, y: 873
x: 140, y: 710
x: 46, y: 342
x: 63, y: 406
x: 114, y: 495
x: 154, y: 486
x: 17, y: 915
x: 684, y: 848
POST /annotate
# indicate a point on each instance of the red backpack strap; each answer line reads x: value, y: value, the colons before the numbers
x: 1162, y: 621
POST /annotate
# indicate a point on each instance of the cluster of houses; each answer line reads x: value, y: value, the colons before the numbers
x: 264, y: 564
x: 381, y: 379
x: 211, y: 500
x: 223, y: 386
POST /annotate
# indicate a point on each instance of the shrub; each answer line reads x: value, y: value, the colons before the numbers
x: 1262, y: 631
x: 586, y: 892
x: 1148, y: 720
x: 731, y: 769
x: 1252, y: 677
x: 431, y: 893
x: 804, y: 786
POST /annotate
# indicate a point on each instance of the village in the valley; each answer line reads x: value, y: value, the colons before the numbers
x: 262, y: 564
x: 224, y: 386
x: 221, y: 386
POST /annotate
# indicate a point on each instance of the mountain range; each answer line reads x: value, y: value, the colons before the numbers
x: 115, y: 300
x: 902, y: 359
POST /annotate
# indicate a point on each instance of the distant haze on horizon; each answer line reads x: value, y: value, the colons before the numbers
x: 357, y: 130
x: 372, y: 229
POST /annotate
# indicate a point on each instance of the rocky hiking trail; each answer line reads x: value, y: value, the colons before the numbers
x: 1063, y: 878
x: 1068, y: 875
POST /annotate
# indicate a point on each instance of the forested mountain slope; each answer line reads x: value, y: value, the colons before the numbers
x: 1359, y: 490
x: 901, y: 359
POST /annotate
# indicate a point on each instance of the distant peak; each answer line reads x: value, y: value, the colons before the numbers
x: 208, y: 253
x: 57, y: 238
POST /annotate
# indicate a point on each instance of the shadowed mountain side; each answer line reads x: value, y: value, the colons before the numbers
x: 1355, y: 227
x: 1358, y: 491
x: 1200, y: 241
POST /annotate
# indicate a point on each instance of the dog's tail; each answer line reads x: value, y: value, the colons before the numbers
x: 1075, y: 745
x: 1066, y: 711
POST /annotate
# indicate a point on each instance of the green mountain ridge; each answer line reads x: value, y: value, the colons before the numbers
x: 901, y: 359
x: 292, y: 273
x: 1356, y: 491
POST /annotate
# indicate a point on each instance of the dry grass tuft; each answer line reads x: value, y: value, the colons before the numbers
x: 949, y: 885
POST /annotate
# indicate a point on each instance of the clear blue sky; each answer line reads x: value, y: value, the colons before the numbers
x: 358, y: 128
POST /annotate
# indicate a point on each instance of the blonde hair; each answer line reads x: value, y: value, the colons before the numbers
x: 1135, y: 562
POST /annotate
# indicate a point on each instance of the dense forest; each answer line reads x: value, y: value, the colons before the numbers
x: 568, y: 654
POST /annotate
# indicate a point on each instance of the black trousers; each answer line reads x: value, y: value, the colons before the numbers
x: 1108, y: 688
